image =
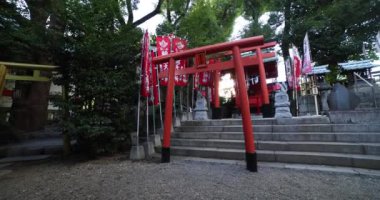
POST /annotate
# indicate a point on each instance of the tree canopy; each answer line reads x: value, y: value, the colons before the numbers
x: 201, y: 22
x: 97, y: 44
x: 337, y: 28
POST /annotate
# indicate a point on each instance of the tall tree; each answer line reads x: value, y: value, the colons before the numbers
x: 202, y: 22
x: 333, y: 38
x: 96, y: 44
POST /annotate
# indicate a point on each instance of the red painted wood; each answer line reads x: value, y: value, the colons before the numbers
x: 251, y: 61
x: 244, y: 107
x: 216, y: 89
x: 263, y: 77
x: 169, y: 105
x: 210, y: 49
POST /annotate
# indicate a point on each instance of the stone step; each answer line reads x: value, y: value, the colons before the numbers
x: 264, y: 121
x: 285, y: 136
x: 226, y: 122
x: 286, y: 128
x: 316, y: 158
x: 333, y: 147
x: 24, y: 158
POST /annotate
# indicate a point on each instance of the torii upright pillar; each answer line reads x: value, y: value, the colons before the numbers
x: 250, y: 150
x: 216, y: 112
x: 165, y: 158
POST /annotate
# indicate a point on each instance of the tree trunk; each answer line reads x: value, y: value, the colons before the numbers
x: 285, y: 37
x: 30, y: 109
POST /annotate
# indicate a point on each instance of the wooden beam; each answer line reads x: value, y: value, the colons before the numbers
x: 211, y: 49
x: 3, y: 72
x: 26, y: 78
x: 29, y: 66
x: 226, y: 65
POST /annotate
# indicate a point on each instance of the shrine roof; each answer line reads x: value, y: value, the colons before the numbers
x: 355, y: 65
x: 272, y: 59
x: 321, y: 69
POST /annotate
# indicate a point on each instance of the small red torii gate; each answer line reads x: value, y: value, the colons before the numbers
x: 234, y: 48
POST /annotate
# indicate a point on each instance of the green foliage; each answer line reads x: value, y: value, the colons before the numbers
x: 201, y: 22
x: 98, y: 54
x: 201, y: 27
x: 101, y: 74
x: 337, y: 29
x: 255, y: 29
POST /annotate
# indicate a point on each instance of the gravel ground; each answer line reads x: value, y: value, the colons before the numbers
x: 115, y: 178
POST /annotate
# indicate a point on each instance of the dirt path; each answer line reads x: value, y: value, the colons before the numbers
x: 112, y: 178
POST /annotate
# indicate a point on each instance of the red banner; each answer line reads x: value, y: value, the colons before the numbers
x: 307, y: 66
x: 297, y: 63
x: 166, y: 45
x: 145, y: 66
x: 153, y: 100
x: 178, y: 46
x: 163, y: 48
x: 205, y: 78
x: 297, y: 70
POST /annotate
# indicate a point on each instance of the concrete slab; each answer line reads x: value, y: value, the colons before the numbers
x: 303, y: 120
x: 4, y: 165
x: 366, y: 161
x: 349, y: 128
x: 24, y: 158
x: 303, y: 128
x: 4, y: 172
x: 148, y: 149
x: 313, y: 158
x: 137, y: 153
x: 156, y: 139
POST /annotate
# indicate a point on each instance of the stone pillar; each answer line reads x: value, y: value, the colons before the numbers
x: 200, y: 110
x: 324, y: 89
x: 282, y: 105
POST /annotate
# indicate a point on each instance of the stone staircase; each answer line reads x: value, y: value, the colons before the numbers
x: 306, y: 140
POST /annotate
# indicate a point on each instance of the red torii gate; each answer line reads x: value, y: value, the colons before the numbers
x: 238, y: 63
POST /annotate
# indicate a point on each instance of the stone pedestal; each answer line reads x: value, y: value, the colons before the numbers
x: 148, y: 149
x: 200, y: 110
x: 156, y: 140
x: 137, y: 153
x: 324, y: 89
x: 282, y: 105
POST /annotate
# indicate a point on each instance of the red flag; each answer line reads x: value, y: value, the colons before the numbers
x: 154, y: 100
x: 297, y: 69
x: 145, y: 66
x: 297, y: 63
x: 307, y: 67
x: 205, y: 78
x: 163, y: 48
x: 178, y: 46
